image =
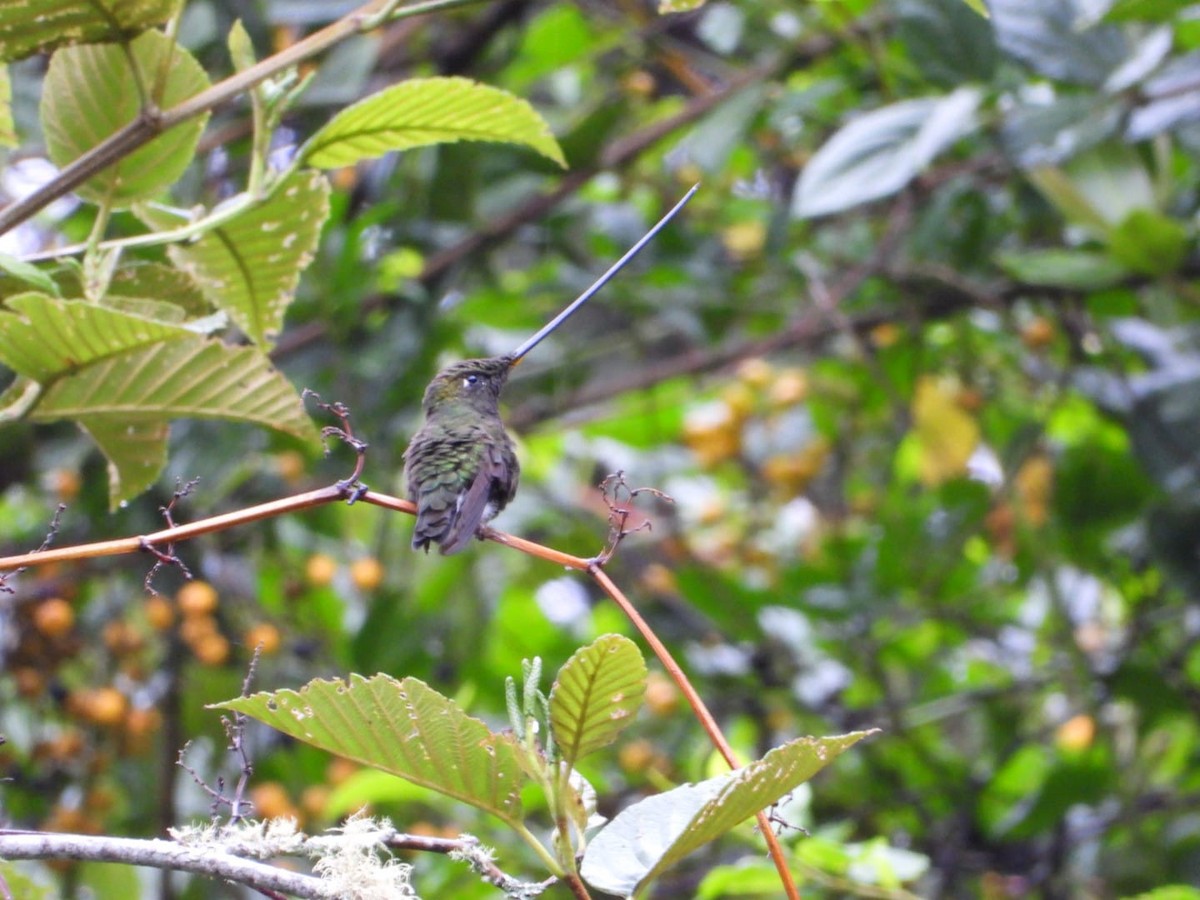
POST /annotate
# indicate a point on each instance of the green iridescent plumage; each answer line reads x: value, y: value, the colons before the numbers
x: 461, y: 468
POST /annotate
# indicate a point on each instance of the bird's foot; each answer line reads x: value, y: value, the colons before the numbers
x: 352, y: 489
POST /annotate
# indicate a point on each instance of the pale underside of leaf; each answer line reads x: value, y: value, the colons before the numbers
x: 647, y: 838
x: 136, y: 453
x: 32, y: 26
x: 402, y: 727
x: 90, y: 92
x: 880, y: 152
x: 250, y: 266
x: 187, y: 378
x: 44, y: 337
x: 423, y: 111
x: 595, y: 696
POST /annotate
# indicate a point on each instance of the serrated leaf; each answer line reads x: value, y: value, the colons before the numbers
x: 28, y: 273
x: 136, y: 453
x: 250, y: 266
x: 650, y: 836
x: 90, y: 92
x: 424, y: 111
x: 188, y: 378
x: 880, y: 152
x: 141, y: 283
x: 43, y: 337
x: 402, y: 727
x: 32, y: 27
x: 596, y: 694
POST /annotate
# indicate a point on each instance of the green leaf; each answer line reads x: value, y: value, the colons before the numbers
x: 648, y: 837
x: 880, y: 152
x: 674, y: 6
x: 596, y: 695
x: 403, y: 727
x: 90, y: 92
x: 948, y: 42
x: 28, y: 273
x: 189, y: 378
x: 250, y: 266
x: 424, y: 111
x: 1077, y: 269
x: 28, y: 28
x: 1046, y: 36
x: 43, y: 338
x: 1149, y: 243
x: 8, y: 130
x: 136, y: 453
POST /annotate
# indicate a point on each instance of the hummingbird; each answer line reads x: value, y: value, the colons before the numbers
x: 461, y: 467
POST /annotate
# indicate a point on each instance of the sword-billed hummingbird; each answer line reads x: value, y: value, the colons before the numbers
x: 461, y: 467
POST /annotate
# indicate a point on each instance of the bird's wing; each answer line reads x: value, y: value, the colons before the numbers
x: 474, y: 501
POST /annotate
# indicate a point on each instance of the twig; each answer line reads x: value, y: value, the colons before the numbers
x: 167, y: 557
x: 162, y: 854
x: 46, y: 541
x: 351, y: 487
x: 619, y: 512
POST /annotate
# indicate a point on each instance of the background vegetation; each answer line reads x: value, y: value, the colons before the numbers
x: 919, y: 366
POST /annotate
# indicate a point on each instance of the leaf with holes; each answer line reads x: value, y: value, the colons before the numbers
x: 654, y: 834
x: 424, y: 111
x: 90, y: 92
x: 28, y: 28
x: 596, y: 695
x: 403, y: 727
x: 250, y: 266
x: 43, y: 337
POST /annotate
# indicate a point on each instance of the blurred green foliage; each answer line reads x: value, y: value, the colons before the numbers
x: 929, y: 413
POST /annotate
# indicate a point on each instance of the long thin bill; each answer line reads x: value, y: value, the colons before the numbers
x: 602, y: 280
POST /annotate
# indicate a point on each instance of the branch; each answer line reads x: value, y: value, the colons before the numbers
x: 162, y: 854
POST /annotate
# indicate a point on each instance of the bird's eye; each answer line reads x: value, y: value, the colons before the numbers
x: 470, y: 380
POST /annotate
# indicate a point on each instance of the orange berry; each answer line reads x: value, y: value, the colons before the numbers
x: 1038, y: 333
x: 211, y: 649
x: 755, y: 372
x: 662, y: 695
x: 30, y: 682
x: 320, y: 569
x: 314, y: 799
x: 121, y: 638
x: 658, y: 579
x: 196, y: 629
x: 66, y: 484
x: 142, y: 721
x: 197, y: 598
x: 104, y: 706
x: 635, y: 756
x: 639, y: 84
x: 1077, y: 733
x: 264, y: 635
x: 366, y: 573
x: 271, y: 801
x: 339, y: 769
x: 54, y: 617
x: 289, y: 465
x: 159, y: 613
x: 789, y: 388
